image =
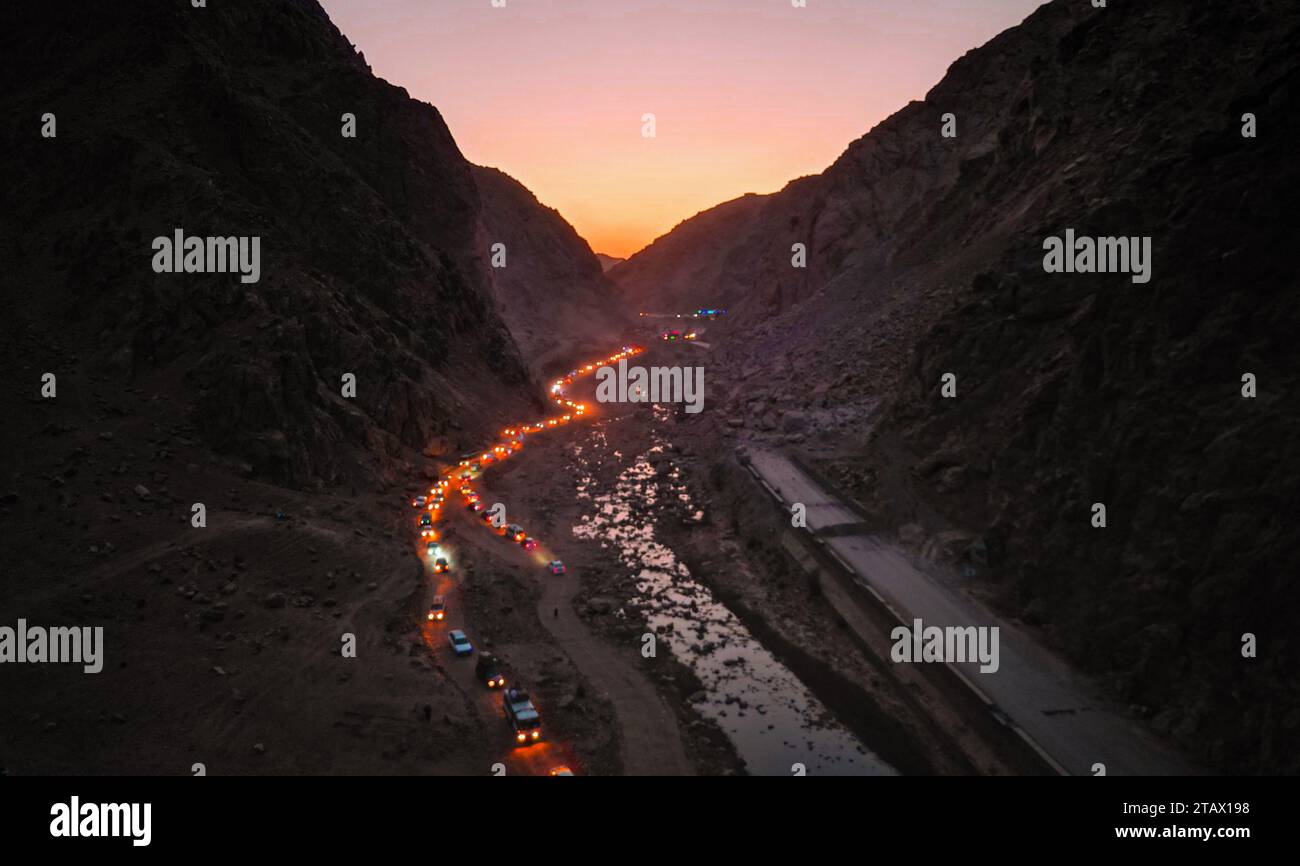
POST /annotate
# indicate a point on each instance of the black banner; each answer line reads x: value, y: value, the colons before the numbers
x: 249, y: 815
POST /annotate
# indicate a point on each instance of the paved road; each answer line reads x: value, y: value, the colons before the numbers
x: 1060, y: 711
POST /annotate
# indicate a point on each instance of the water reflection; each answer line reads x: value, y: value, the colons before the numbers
x: 772, y: 719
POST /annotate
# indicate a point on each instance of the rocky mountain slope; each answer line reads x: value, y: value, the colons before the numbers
x: 607, y: 262
x: 551, y: 290
x: 925, y: 257
x: 229, y: 121
x: 686, y: 268
x: 179, y: 390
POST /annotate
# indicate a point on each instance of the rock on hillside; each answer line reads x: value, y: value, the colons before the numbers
x: 685, y: 268
x: 926, y: 257
x: 607, y: 262
x: 227, y: 121
x: 552, y: 292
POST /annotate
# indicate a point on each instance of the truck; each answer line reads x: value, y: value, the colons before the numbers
x: 524, y: 720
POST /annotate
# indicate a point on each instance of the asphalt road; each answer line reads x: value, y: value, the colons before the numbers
x: 1059, y: 710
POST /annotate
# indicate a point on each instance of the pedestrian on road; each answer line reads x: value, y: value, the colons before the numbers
x: 556, y: 614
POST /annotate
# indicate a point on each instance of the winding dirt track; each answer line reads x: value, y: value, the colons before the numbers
x: 651, y: 741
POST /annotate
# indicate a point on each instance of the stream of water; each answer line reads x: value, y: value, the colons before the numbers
x: 772, y: 719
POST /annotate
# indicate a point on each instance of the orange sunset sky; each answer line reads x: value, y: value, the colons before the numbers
x: 748, y: 94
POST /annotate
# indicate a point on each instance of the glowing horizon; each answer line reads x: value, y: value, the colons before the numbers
x: 748, y: 94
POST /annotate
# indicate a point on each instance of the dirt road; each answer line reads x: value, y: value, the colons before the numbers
x: 652, y: 744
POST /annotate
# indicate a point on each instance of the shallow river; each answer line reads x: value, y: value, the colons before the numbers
x: 774, y: 722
